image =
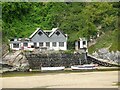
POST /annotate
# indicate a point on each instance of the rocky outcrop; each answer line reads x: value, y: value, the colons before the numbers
x: 16, y: 59
x: 4, y: 49
x: 104, y: 53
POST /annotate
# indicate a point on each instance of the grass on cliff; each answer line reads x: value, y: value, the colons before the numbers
x: 109, y: 39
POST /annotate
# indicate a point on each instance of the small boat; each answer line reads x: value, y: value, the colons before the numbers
x: 52, y: 68
x: 84, y: 67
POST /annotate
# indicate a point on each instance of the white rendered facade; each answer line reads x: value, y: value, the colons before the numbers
x: 55, y: 40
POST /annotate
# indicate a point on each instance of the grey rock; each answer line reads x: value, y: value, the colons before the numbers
x: 95, y: 54
x: 104, y: 53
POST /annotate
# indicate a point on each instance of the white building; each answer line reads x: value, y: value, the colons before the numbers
x: 81, y: 44
x: 43, y: 39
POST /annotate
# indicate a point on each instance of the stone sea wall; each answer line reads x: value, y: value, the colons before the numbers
x: 54, y: 60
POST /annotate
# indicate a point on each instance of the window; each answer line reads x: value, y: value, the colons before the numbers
x: 25, y: 44
x: 48, y: 44
x: 61, y: 44
x: 40, y: 33
x: 41, y: 44
x: 54, y: 44
x: 15, y: 45
x: 84, y: 42
x: 12, y: 40
x: 32, y: 46
x: 35, y: 44
x: 58, y: 33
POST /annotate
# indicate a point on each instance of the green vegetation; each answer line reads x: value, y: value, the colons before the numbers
x: 109, y: 39
x: 77, y: 19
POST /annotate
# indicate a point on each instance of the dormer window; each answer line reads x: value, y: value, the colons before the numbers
x: 40, y: 33
x: 57, y: 33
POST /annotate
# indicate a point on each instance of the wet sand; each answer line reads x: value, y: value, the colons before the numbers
x: 106, y: 79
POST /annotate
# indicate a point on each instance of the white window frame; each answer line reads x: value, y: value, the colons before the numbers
x: 15, y: 46
x: 26, y: 44
x: 61, y: 44
x: 54, y: 44
x: 47, y: 44
x: 41, y: 44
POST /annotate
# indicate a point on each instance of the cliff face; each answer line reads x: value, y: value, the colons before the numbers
x: 4, y: 49
x: 16, y: 60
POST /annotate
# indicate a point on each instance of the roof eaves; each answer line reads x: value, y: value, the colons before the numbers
x: 53, y: 31
x: 59, y: 31
x: 34, y: 32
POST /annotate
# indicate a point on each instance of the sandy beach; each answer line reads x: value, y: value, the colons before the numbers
x: 106, y: 79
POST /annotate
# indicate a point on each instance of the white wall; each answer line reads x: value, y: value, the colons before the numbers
x: 61, y: 48
x: 11, y: 47
x: 44, y: 45
x: 30, y: 44
x: 21, y: 45
x: 57, y: 46
x: 83, y: 46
